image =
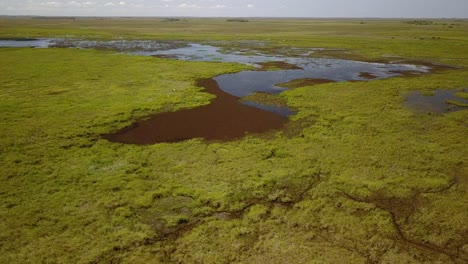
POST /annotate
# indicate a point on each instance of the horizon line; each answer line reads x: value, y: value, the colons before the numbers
x: 251, y: 17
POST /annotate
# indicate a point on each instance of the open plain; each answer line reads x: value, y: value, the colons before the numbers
x: 356, y: 173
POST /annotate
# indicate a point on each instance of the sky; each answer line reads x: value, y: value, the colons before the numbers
x: 240, y: 8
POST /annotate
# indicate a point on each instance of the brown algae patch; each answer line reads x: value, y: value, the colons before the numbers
x: 225, y: 118
x: 303, y: 82
x: 367, y: 75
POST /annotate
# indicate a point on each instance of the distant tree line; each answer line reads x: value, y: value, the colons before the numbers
x: 237, y: 20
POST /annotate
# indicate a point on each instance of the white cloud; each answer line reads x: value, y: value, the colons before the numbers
x: 109, y: 4
x: 136, y: 5
x: 88, y: 3
x: 122, y: 3
x: 74, y: 3
x: 51, y: 4
x: 185, y: 5
x: 218, y: 6
x: 81, y: 4
x: 250, y: 6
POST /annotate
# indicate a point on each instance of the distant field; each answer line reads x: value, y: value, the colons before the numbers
x: 440, y: 38
x: 356, y: 177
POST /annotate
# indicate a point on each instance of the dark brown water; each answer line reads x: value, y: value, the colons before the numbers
x: 225, y: 118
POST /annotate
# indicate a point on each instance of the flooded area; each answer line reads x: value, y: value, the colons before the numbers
x: 438, y: 101
x: 25, y: 43
x: 223, y: 119
x: 117, y: 45
x: 244, y: 83
x: 228, y: 117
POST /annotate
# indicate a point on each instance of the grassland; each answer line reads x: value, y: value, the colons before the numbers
x: 357, y: 177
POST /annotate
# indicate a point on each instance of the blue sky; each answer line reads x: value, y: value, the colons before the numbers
x: 240, y: 8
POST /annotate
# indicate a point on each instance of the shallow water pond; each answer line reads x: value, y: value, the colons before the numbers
x: 247, y: 82
x: 234, y: 122
x: 227, y: 117
x: 117, y: 45
x: 438, y: 101
x: 25, y: 43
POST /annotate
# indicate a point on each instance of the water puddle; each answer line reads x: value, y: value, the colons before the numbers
x: 286, y: 69
x: 438, y: 101
x: 24, y: 43
x: 118, y: 45
x: 223, y: 119
x: 228, y: 117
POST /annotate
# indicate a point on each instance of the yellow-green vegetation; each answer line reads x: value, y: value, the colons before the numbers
x: 442, y: 39
x: 302, y: 83
x: 364, y: 179
x: 463, y: 95
x: 457, y: 103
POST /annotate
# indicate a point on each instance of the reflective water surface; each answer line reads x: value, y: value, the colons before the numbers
x: 438, y: 101
x: 227, y: 118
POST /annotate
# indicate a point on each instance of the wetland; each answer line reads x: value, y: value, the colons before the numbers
x: 228, y: 117
x: 274, y: 141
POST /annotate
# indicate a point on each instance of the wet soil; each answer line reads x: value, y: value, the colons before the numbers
x: 225, y: 118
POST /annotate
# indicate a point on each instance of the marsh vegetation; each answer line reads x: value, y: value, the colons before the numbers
x: 355, y: 174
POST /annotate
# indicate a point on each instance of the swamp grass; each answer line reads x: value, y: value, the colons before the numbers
x: 357, y: 176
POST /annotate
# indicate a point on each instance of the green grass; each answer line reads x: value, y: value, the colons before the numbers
x: 463, y: 95
x: 358, y: 177
x: 372, y: 39
x: 457, y: 103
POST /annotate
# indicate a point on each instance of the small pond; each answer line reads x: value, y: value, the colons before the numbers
x: 227, y: 117
x: 25, y: 43
x: 438, y: 101
x: 246, y: 82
